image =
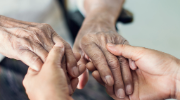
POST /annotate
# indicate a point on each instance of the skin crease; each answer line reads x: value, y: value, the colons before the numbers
x: 97, y: 30
x: 49, y: 83
x: 157, y: 76
x: 31, y: 42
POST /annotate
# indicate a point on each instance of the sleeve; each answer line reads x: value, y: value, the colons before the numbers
x: 80, y: 5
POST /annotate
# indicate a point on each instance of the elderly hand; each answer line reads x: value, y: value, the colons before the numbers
x: 157, y: 76
x: 31, y: 42
x: 91, y: 43
x: 50, y: 83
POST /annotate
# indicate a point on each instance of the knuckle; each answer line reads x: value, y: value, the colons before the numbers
x: 103, y: 37
x: 66, y: 45
x: 127, y: 80
x: 35, y: 59
x: 22, y: 44
x: 122, y: 60
x: 87, y: 38
x: 114, y: 64
x: 119, y: 83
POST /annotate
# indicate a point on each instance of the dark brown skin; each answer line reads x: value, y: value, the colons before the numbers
x: 97, y: 30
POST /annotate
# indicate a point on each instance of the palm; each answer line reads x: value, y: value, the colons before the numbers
x: 153, y: 80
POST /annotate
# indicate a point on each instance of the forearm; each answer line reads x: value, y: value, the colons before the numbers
x: 103, y: 10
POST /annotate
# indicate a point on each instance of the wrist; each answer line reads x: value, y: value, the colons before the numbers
x: 100, y: 16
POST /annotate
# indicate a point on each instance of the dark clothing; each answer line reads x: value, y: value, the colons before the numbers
x: 12, y: 73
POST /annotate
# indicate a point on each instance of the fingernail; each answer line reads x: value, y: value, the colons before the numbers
x: 110, y: 45
x: 120, y: 93
x: 128, y: 89
x: 59, y: 44
x: 133, y: 65
x: 109, y: 80
x: 35, y: 68
x: 75, y: 71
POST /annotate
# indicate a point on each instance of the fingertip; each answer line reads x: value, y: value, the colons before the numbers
x: 36, y: 65
x: 129, y: 89
x: 36, y: 68
x: 90, y: 66
x: 109, y: 80
x: 77, y: 56
x: 113, y: 48
x: 74, y: 83
x: 83, y: 79
x: 132, y: 64
x: 97, y: 76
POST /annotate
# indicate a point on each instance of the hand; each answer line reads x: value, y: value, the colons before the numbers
x: 156, y: 76
x: 91, y: 43
x: 50, y: 83
x: 31, y: 42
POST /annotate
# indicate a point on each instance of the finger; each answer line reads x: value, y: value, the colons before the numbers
x: 126, y: 51
x: 135, y: 95
x: 114, y: 65
x: 97, y: 76
x: 126, y: 74
x: 132, y: 65
x: 40, y: 51
x: 90, y: 66
x: 110, y: 92
x: 70, y: 58
x: 66, y: 74
x: 98, y: 59
x: 31, y: 59
x: 74, y: 83
x: 83, y: 79
x: 31, y: 71
x: 84, y: 75
x: 77, y: 56
x: 55, y: 55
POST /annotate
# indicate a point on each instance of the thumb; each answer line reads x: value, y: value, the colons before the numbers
x: 56, y: 55
x: 126, y: 51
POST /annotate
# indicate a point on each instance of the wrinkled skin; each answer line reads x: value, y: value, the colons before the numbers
x: 91, y: 44
x: 157, y: 74
x: 31, y: 43
x: 50, y: 83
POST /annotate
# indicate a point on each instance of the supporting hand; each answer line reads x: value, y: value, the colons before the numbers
x: 157, y: 74
x: 50, y: 83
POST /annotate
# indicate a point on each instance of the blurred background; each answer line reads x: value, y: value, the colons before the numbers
x: 148, y: 23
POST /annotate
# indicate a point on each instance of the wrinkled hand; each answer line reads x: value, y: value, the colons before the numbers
x: 50, y: 82
x: 31, y: 42
x: 91, y: 43
x: 156, y: 76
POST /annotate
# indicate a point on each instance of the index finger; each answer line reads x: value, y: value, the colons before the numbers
x: 99, y: 60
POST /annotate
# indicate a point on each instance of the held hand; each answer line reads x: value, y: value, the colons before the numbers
x: 91, y: 43
x: 31, y: 43
x: 155, y: 78
x: 50, y: 83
